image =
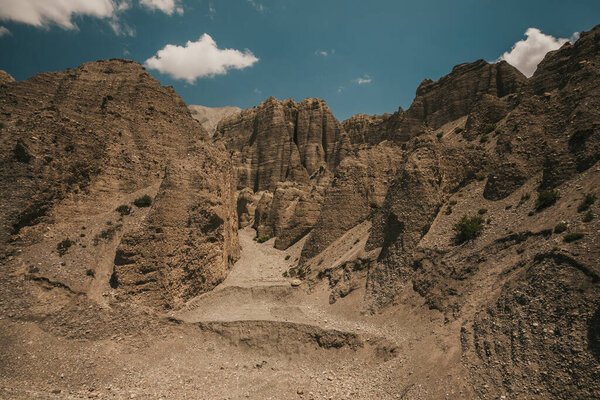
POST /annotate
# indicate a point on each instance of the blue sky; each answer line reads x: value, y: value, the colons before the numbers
x: 360, y: 56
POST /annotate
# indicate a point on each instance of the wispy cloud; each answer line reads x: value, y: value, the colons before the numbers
x: 324, y: 53
x: 526, y: 54
x: 4, y: 31
x: 212, y: 11
x: 257, y: 5
x: 199, y: 59
x: 363, y: 80
x: 257, y: 91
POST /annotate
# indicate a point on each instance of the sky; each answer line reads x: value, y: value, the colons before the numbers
x: 360, y: 56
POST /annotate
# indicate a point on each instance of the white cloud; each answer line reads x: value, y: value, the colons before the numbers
x: 199, y: 59
x: 4, y: 31
x: 526, y: 54
x: 166, y: 6
x: 42, y: 13
x: 364, y: 80
x: 257, y: 91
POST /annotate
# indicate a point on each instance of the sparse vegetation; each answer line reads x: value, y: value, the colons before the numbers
x: 263, y: 238
x: 63, y: 246
x: 124, y: 209
x: 439, y: 135
x: 546, y: 198
x: 452, y: 202
x: 560, y: 227
x: 571, y: 237
x: 524, y: 198
x: 90, y: 272
x: 458, y: 130
x: 482, y: 211
x: 144, y: 201
x: 107, y: 234
x: 287, y: 257
x: 489, y: 129
x: 448, y: 210
x: 480, y: 176
x: 468, y: 228
x: 483, y: 139
x: 530, y: 213
x: 587, y: 201
x: 508, y: 207
x: 588, y: 217
x: 300, y: 272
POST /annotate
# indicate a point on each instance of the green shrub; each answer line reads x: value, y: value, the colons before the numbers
x: 287, y: 257
x: 560, y: 227
x: 263, y: 238
x: 508, y: 207
x: 571, y: 237
x: 483, y: 139
x: 588, y: 217
x: 587, y: 201
x: 452, y: 202
x: 468, y: 228
x: 458, y: 130
x: 482, y: 211
x: 124, y: 209
x: 546, y: 198
x: 90, y: 272
x: 530, y: 214
x: 63, y: 246
x: 448, y: 210
x: 439, y: 135
x: 144, y: 201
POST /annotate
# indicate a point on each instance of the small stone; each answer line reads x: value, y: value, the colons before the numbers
x: 296, y: 282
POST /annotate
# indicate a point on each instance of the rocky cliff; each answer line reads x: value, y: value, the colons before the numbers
x: 79, y: 148
x: 289, y: 150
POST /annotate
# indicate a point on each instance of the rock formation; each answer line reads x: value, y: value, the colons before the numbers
x: 290, y: 150
x: 209, y: 117
x: 80, y: 143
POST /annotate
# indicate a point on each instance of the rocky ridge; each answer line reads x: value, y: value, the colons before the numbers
x: 209, y: 117
x: 78, y: 144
